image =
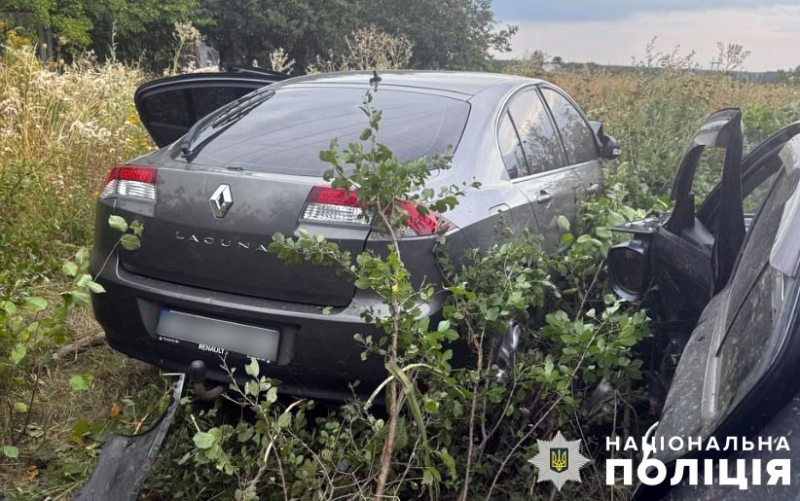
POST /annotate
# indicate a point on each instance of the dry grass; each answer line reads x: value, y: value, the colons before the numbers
x: 60, y: 133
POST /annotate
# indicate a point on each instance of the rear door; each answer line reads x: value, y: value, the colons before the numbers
x: 549, y: 183
x: 168, y: 107
x: 578, y: 137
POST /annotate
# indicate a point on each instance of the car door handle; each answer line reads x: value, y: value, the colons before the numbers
x: 544, y: 197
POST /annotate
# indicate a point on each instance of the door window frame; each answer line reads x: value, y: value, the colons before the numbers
x: 503, y: 116
x: 558, y: 129
x: 504, y: 110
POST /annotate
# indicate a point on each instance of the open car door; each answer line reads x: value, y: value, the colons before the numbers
x: 738, y: 371
x: 693, y: 251
x: 168, y: 107
x: 688, y: 254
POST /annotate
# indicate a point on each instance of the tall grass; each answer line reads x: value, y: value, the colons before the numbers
x: 61, y: 129
x: 655, y: 114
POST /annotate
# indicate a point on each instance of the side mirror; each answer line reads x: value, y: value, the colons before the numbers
x: 609, y: 147
x: 628, y: 269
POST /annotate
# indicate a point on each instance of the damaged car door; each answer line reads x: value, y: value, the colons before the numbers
x: 688, y: 254
x: 737, y: 371
x: 737, y: 376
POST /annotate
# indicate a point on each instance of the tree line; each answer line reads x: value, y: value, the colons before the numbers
x: 446, y: 34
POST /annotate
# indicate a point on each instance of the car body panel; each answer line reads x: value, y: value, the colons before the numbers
x: 187, y: 244
x: 552, y: 194
x: 783, y: 424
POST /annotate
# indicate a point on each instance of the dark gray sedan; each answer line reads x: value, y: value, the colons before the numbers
x: 239, y: 162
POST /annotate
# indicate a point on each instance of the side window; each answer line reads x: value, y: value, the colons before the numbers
x: 511, y: 149
x: 575, y: 132
x: 540, y: 141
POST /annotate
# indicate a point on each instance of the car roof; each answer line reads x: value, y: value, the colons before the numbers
x: 463, y: 83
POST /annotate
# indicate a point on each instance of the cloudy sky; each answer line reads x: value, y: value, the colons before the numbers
x: 614, y: 31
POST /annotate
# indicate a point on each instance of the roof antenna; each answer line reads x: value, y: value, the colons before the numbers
x: 375, y: 80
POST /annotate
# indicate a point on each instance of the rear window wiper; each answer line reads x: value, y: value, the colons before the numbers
x: 219, y: 121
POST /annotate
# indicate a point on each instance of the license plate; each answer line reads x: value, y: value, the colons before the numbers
x: 219, y: 336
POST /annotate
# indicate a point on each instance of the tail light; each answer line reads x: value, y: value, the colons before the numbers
x: 130, y: 181
x: 426, y: 224
x: 332, y: 205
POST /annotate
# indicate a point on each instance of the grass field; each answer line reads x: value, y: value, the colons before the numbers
x: 62, y: 129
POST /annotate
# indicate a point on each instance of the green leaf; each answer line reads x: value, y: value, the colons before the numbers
x: 11, y: 452
x: 130, y: 242
x: 18, y: 352
x: 449, y: 462
x: 80, y: 382
x: 251, y: 388
x: 80, y: 298
x: 272, y: 395
x: 118, y: 223
x: 563, y: 223
x: 36, y: 303
x: 69, y: 269
x: 203, y: 440
x: 82, y: 255
x: 548, y: 366
x: 9, y: 307
x: 284, y: 420
x: 21, y: 407
x: 137, y: 227
x: 252, y: 369
x: 95, y: 287
x: 444, y: 325
x: 603, y: 233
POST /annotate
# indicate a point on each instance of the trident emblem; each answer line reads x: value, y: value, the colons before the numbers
x: 559, y: 459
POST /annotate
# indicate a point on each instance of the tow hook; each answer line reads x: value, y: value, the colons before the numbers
x: 197, y: 376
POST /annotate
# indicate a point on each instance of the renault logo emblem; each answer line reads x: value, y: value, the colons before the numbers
x: 221, y: 201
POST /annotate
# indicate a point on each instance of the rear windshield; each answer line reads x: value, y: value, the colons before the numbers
x: 286, y: 133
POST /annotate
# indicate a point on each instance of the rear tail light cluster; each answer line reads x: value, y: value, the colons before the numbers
x: 333, y: 205
x: 131, y: 181
x: 427, y: 224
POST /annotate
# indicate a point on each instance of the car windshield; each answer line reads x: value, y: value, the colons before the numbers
x: 285, y: 133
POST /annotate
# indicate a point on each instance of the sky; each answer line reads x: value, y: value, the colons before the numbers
x: 615, y: 31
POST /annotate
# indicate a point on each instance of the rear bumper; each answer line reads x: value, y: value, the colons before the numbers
x: 317, y: 355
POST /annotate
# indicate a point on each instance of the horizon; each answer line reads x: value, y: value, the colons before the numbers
x: 583, y: 32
